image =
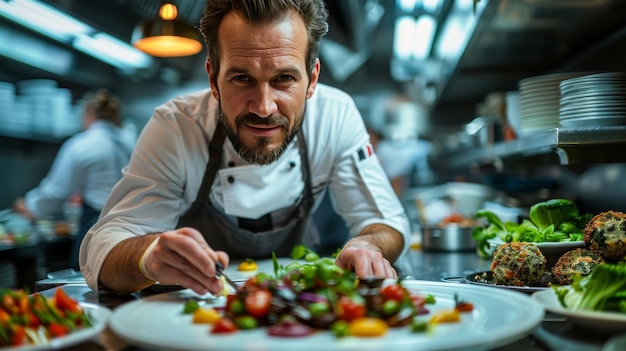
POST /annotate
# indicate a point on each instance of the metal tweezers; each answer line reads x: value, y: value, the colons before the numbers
x: 220, y: 272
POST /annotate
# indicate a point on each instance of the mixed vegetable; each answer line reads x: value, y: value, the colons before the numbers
x: 304, y: 297
x: 35, y: 319
x: 602, y: 290
x: 555, y: 220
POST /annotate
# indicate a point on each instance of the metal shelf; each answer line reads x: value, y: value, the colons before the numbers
x: 586, y: 145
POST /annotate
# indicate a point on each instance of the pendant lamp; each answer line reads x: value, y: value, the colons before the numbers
x: 165, y: 36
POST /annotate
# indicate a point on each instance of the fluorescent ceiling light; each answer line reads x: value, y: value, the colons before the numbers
x: 413, y: 38
x: 424, y: 31
x: 110, y: 50
x: 61, y: 27
x: 403, y: 37
x: 409, y: 6
x: 459, y: 26
x: 43, y: 19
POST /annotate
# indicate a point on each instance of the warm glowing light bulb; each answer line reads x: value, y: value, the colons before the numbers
x: 168, y: 12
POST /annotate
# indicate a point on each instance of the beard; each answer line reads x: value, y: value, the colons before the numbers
x: 259, y: 153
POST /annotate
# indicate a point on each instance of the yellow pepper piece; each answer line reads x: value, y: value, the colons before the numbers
x: 367, y: 326
x: 205, y: 315
x: 248, y: 265
x: 445, y: 316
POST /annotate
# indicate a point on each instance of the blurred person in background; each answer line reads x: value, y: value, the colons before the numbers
x: 84, y: 170
x: 402, y: 151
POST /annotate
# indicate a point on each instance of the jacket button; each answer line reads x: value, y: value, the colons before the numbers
x: 231, y: 164
x: 231, y: 179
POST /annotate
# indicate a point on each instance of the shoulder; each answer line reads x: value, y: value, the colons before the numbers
x: 325, y: 94
x: 188, y: 111
x: 189, y: 104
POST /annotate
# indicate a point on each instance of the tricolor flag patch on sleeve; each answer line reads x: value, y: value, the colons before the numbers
x: 365, y: 152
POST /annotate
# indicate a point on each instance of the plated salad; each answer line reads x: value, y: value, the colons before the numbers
x: 302, y: 298
x: 35, y: 319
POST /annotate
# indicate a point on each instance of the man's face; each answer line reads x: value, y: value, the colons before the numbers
x: 262, y: 85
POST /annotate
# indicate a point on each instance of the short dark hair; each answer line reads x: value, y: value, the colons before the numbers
x: 313, y: 13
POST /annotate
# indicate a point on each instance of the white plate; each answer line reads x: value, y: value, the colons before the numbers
x: 99, y: 317
x: 497, y: 319
x: 603, y: 322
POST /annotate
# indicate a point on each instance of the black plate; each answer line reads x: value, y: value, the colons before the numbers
x: 486, y: 279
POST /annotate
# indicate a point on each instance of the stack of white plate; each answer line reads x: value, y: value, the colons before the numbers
x: 593, y: 100
x: 513, y: 115
x: 7, y: 100
x: 41, y: 107
x: 540, y: 101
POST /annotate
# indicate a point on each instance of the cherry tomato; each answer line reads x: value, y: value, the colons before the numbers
x: 57, y: 330
x: 19, y: 336
x: 464, y: 307
x: 393, y: 292
x: 64, y: 302
x: 349, y: 309
x: 248, y: 265
x: 366, y: 326
x: 446, y: 316
x: 205, y: 315
x: 258, y: 303
x: 224, y: 325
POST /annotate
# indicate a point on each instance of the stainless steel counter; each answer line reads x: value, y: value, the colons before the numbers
x: 554, y: 333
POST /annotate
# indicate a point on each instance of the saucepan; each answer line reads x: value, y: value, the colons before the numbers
x: 450, y: 238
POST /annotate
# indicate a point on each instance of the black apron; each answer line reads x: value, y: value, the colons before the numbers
x: 221, y: 233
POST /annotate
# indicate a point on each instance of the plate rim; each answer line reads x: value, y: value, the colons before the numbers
x: 533, y: 314
x: 542, y: 298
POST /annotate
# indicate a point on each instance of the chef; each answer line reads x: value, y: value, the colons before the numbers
x: 237, y: 170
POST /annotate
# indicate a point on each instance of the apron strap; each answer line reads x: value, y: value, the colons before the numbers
x: 306, y: 171
x: 215, y: 158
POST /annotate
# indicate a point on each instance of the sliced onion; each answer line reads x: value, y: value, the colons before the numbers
x: 311, y: 297
x: 289, y: 329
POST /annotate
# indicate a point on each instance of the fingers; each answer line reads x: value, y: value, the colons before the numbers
x: 366, y: 263
x: 183, y: 257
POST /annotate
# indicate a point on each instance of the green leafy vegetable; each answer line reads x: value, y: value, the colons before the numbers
x: 555, y: 220
x: 300, y: 252
x: 602, y: 290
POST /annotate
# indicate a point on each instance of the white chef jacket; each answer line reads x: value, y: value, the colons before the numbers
x: 166, y: 169
x: 90, y: 162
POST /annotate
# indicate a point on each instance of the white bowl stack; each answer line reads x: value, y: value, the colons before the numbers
x: 540, y: 100
x: 7, y: 105
x: 43, y: 108
x: 593, y: 100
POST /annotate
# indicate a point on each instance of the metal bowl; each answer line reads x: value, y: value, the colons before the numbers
x: 451, y: 238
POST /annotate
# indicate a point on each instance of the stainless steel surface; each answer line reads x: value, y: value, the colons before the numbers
x: 587, y: 145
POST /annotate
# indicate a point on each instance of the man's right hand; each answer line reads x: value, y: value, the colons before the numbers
x: 183, y: 257
x: 180, y: 257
